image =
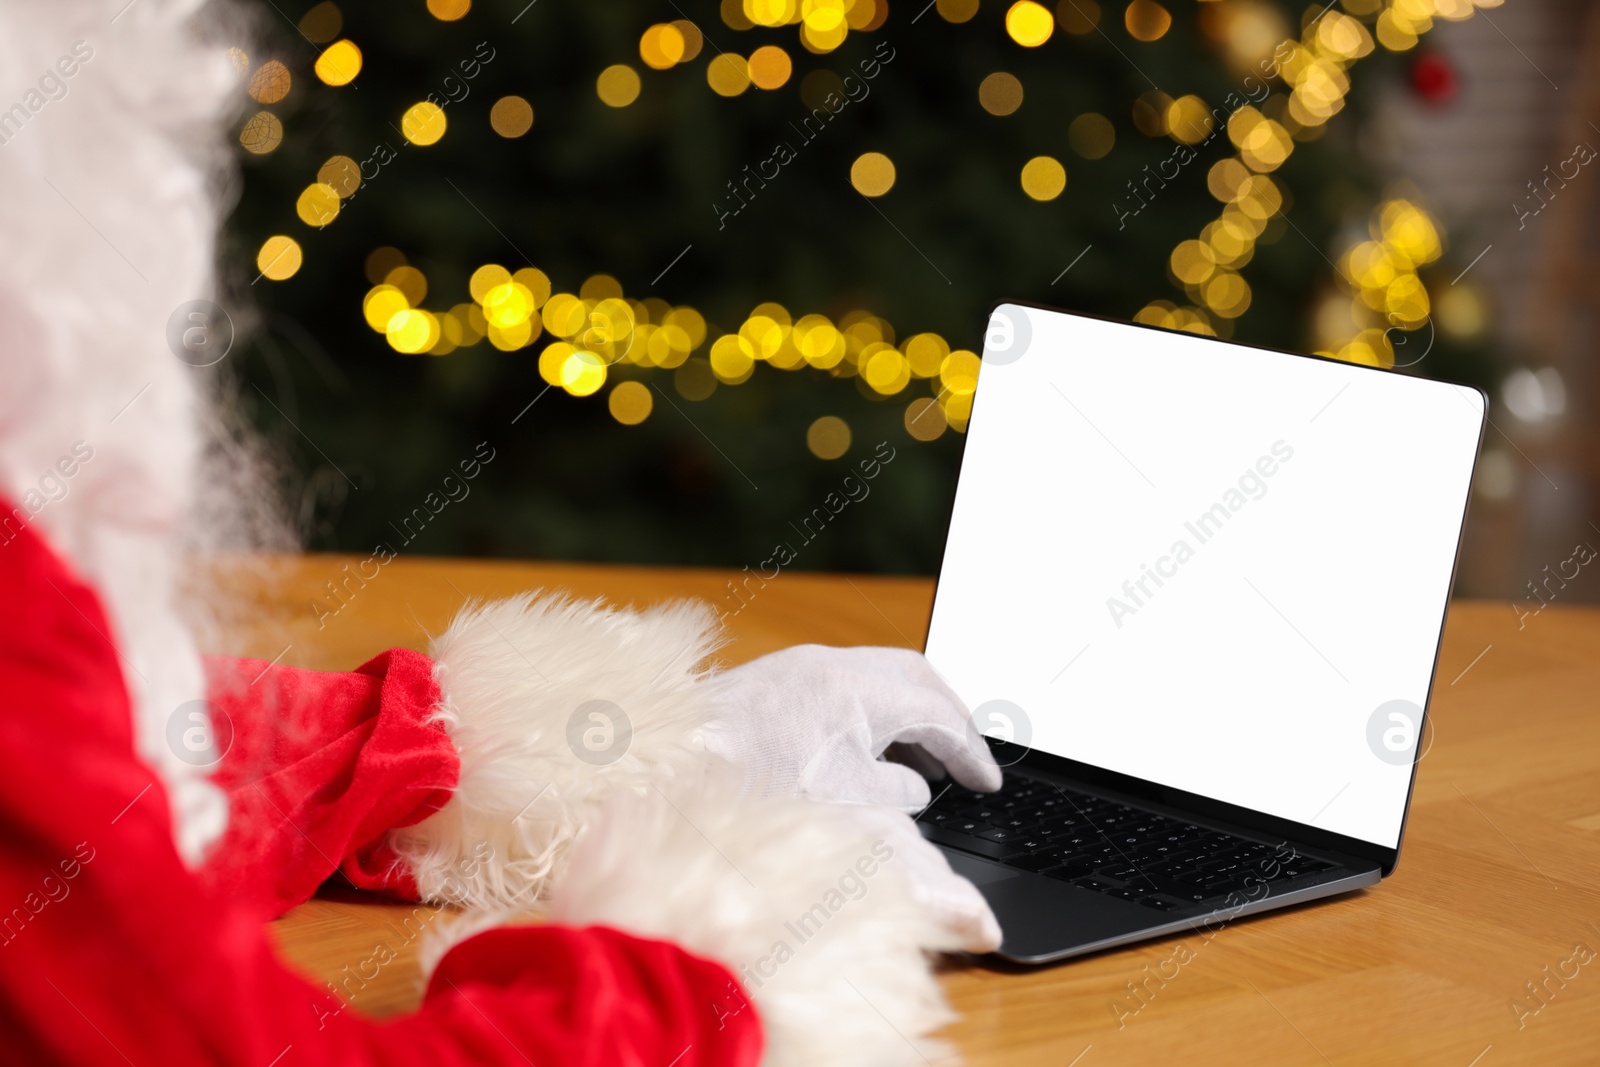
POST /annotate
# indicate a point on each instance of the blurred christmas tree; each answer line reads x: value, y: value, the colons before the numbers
x: 685, y: 269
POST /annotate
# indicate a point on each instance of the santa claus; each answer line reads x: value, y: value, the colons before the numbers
x: 737, y: 884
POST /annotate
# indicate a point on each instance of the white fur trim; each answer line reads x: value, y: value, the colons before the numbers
x: 733, y: 878
x: 108, y: 214
x: 514, y: 676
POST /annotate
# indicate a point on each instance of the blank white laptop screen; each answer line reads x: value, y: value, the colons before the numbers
x: 1213, y: 567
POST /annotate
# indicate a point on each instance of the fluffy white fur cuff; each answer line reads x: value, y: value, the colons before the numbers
x: 553, y: 704
x: 803, y: 901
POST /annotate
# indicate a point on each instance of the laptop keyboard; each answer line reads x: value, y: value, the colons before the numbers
x: 1161, y: 862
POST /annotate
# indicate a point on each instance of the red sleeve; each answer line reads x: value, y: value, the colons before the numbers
x: 111, y: 952
x: 318, y: 767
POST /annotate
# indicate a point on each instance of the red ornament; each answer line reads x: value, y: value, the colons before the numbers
x: 1433, y: 78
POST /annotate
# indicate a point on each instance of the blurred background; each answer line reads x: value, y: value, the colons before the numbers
x: 661, y: 276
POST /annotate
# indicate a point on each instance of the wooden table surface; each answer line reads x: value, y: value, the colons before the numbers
x: 1483, y: 949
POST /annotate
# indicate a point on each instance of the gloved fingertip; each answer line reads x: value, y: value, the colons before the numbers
x: 986, y: 937
x: 982, y: 775
x: 897, y: 786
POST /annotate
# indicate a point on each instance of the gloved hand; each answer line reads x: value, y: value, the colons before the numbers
x: 813, y: 721
x: 949, y: 899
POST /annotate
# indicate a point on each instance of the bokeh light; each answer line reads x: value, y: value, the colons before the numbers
x: 1147, y: 20
x: 630, y: 403
x: 1091, y: 135
x: 423, y: 123
x: 1078, y: 16
x: 1043, y: 178
x: 321, y: 23
x: 925, y: 419
x: 692, y: 38
x: 1029, y: 24
x: 270, y: 83
x: 957, y: 10
x: 872, y: 174
x: 1000, y: 93
x: 318, y: 204
x: 618, y: 85
x: 262, y: 133
x: 662, y: 46
x: 728, y: 74
x: 449, y: 10
x: 279, y: 257
x: 339, y: 63
x: 769, y: 67
x: 828, y: 437
x: 341, y: 174
x: 380, y: 261
x: 511, y: 116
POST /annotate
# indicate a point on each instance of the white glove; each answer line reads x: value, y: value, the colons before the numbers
x: 814, y: 721
x: 949, y: 899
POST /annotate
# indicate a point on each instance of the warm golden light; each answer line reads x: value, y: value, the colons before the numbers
x: 728, y: 74
x: 872, y: 174
x: 582, y: 373
x: 770, y: 67
x: 423, y: 123
x: 339, y: 63
x: 957, y: 10
x: 321, y: 23
x: 341, y: 174
x: 1043, y: 178
x: 1078, y: 16
x: 1091, y: 135
x: 486, y: 278
x: 828, y: 437
x: 1000, y: 93
x: 618, y: 85
x: 382, y: 303
x: 1147, y: 20
x: 1029, y: 24
x: 270, y: 83
x: 279, y: 257
x: 692, y: 38
x: 262, y: 133
x: 925, y: 419
x: 411, y: 282
x: 412, y: 331
x: 449, y: 10
x: 511, y: 116
x: 630, y: 403
x: 662, y: 46
x: 380, y: 261
x: 317, y: 205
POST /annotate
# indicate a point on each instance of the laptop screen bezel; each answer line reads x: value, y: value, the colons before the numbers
x: 1250, y: 819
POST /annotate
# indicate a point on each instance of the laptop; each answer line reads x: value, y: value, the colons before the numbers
x: 1193, y: 592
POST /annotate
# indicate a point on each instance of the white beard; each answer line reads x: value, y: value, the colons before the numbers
x: 107, y: 213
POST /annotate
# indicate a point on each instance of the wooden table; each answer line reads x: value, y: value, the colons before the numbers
x: 1496, y: 894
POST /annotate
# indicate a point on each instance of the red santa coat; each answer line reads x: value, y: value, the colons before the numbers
x: 112, y: 951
